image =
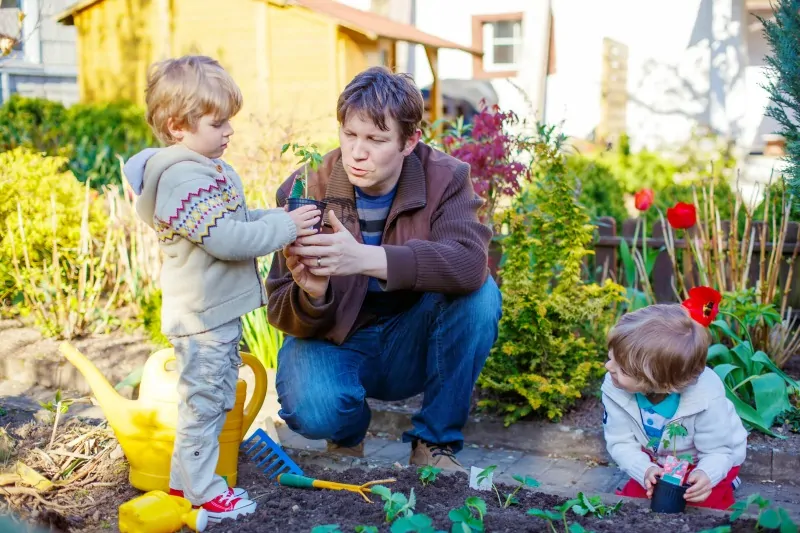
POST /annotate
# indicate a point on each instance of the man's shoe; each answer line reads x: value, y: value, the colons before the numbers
x: 440, y: 456
x: 226, y: 505
x: 350, y: 451
x: 237, y: 492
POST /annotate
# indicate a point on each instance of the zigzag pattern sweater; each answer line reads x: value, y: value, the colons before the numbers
x: 209, y: 238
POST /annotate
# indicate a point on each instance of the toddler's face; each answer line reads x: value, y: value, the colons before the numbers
x: 210, y: 137
x: 620, y: 379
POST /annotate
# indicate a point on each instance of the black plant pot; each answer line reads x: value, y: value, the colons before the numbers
x: 294, y: 203
x: 668, y: 498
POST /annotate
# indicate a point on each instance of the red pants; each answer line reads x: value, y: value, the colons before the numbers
x: 721, y: 496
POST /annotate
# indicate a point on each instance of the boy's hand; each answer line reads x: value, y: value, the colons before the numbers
x: 650, y: 479
x: 700, y: 488
x: 304, y: 218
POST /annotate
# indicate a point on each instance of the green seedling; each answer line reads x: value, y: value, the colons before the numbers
x: 769, y: 517
x: 308, y: 156
x: 790, y: 417
x: 510, y: 498
x: 418, y: 523
x: 593, y: 505
x: 3, y: 412
x: 327, y: 528
x: 469, y: 518
x: 396, y: 504
x: 427, y: 474
x: 718, y: 529
x: 559, y: 514
x: 366, y: 529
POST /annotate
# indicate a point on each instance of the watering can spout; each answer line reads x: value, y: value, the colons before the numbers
x: 114, y: 406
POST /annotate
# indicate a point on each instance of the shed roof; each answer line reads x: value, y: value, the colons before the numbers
x: 369, y: 24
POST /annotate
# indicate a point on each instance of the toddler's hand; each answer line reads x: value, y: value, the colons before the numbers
x: 650, y: 479
x: 700, y: 488
x: 304, y: 218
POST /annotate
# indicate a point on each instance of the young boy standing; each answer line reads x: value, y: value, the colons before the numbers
x: 210, y: 240
x: 657, y: 374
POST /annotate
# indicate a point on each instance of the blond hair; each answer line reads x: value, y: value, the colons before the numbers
x: 661, y: 346
x: 186, y: 89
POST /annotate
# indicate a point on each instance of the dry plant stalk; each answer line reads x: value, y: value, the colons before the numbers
x: 79, y: 458
x: 721, y: 258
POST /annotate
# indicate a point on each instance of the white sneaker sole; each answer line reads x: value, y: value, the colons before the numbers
x: 215, y: 518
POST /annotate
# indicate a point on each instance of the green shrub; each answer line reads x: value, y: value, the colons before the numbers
x: 90, y: 136
x: 32, y: 185
x: 551, y: 340
x: 151, y: 318
x: 600, y: 191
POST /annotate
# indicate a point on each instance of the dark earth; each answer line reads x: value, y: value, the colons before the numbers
x: 290, y: 509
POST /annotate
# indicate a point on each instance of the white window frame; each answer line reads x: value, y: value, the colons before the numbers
x: 490, y: 41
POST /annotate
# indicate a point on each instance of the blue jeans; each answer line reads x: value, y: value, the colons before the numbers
x: 438, y: 347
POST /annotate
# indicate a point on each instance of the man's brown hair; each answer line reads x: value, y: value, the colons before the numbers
x: 377, y: 92
x: 660, y: 346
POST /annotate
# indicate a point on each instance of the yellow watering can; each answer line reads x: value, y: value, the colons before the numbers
x: 158, y: 512
x: 145, y: 427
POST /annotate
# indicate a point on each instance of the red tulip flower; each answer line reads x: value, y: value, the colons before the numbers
x: 644, y: 199
x: 703, y: 304
x: 682, y: 216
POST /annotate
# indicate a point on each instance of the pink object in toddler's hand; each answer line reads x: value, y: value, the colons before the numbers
x: 675, y: 470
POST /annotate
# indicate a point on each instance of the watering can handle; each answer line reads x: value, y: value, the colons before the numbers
x: 259, y: 391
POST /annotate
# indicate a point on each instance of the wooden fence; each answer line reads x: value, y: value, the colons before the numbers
x: 606, y: 261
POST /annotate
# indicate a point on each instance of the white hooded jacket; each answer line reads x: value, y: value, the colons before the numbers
x: 716, y: 438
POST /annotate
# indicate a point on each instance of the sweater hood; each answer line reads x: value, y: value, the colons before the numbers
x: 144, y: 170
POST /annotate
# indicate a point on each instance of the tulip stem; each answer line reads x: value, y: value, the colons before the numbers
x: 741, y: 324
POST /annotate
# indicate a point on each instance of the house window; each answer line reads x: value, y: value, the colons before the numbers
x: 500, y: 38
x: 9, y: 25
x: 502, y: 41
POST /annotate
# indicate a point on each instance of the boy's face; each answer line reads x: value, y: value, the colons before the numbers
x: 620, y: 379
x: 210, y: 137
x: 373, y: 158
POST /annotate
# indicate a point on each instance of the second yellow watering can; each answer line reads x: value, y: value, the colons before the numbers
x: 145, y: 427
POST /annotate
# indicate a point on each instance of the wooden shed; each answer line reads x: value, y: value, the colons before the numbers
x: 290, y: 58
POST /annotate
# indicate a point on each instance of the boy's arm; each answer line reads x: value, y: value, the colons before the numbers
x: 621, y: 442
x: 199, y: 209
x: 256, y: 214
x: 716, y: 440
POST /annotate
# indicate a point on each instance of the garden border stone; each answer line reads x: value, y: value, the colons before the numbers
x: 553, y: 439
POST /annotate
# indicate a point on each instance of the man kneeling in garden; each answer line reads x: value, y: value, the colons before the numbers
x: 393, y: 297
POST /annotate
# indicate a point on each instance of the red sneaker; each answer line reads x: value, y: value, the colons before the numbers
x: 237, y: 492
x: 226, y: 505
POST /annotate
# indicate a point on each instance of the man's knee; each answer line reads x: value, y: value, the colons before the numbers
x: 480, y: 309
x: 318, y: 396
x: 321, y: 413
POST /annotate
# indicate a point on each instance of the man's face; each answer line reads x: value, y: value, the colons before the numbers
x: 373, y: 158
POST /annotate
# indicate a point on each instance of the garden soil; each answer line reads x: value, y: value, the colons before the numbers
x: 284, y: 509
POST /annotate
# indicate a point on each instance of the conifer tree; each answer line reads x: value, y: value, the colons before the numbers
x: 783, y: 36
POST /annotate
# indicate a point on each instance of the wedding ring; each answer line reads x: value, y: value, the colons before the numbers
x: 319, y: 262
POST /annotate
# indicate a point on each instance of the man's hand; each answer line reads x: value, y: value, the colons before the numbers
x: 700, y: 488
x: 338, y: 253
x: 650, y: 479
x: 314, y: 286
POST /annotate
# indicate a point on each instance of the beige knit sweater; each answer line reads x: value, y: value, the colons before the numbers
x: 208, y: 237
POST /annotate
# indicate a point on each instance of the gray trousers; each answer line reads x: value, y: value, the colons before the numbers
x: 208, y: 366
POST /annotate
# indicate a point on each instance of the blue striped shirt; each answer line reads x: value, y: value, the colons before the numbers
x: 372, y: 214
